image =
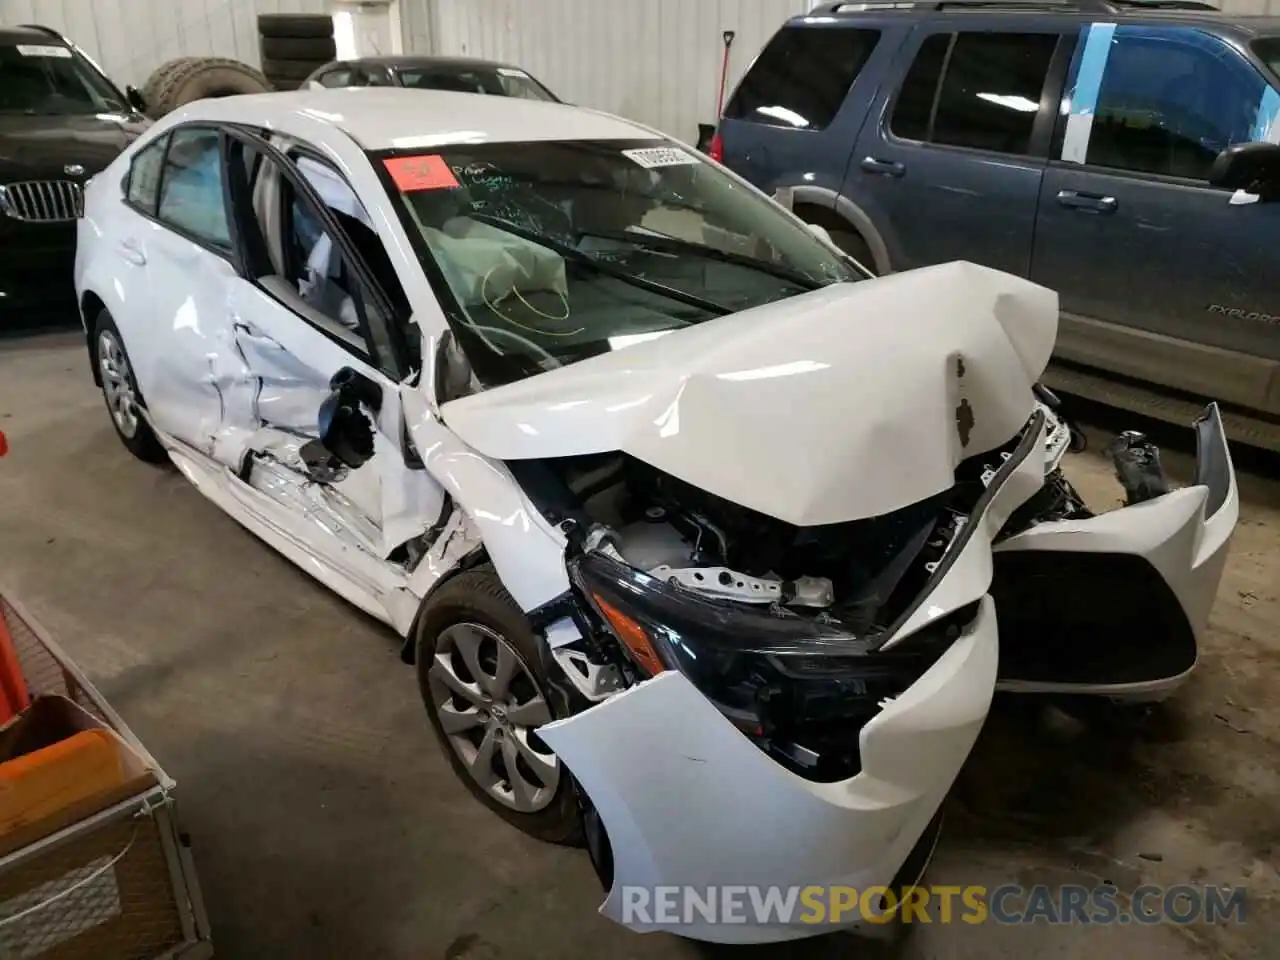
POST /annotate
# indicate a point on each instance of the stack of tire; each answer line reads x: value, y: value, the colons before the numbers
x: 294, y: 46
x: 178, y: 82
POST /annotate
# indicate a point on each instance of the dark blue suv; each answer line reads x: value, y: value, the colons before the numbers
x: 1069, y: 142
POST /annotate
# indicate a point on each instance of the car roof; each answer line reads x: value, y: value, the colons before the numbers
x: 388, y: 118
x: 26, y: 34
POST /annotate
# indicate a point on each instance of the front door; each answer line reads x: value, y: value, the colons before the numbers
x: 311, y: 307
x: 949, y: 166
x: 1131, y: 233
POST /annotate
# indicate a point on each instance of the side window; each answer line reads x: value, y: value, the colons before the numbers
x: 308, y: 270
x: 374, y: 77
x: 913, y: 109
x: 987, y: 98
x: 357, y: 225
x: 1168, y: 101
x: 144, y: 176
x: 802, y: 76
x: 336, y: 78
x: 191, y: 186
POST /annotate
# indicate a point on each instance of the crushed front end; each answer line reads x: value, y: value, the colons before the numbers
x: 780, y: 727
x: 786, y: 706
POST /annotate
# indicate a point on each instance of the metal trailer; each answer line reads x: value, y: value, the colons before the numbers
x: 119, y: 885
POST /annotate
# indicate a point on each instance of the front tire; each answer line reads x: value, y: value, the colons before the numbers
x: 482, y: 680
x: 120, y: 392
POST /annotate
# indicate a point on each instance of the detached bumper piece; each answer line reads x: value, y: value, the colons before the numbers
x: 1114, y: 605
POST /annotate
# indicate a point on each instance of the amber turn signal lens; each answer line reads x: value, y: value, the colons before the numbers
x: 632, y: 636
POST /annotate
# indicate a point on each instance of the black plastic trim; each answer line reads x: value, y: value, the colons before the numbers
x: 1030, y: 441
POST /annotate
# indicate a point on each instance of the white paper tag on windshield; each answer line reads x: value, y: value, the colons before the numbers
x: 651, y: 157
x: 27, y: 50
x: 512, y: 72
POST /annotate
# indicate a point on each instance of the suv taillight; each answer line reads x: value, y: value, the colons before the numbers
x: 716, y: 149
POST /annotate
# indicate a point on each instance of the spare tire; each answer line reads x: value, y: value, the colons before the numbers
x: 318, y: 49
x: 295, y: 25
x: 151, y: 89
x: 285, y: 83
x: 295, y: 70
x: 179, y: 82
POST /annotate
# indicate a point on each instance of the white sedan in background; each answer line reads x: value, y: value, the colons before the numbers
x: 660, y: 489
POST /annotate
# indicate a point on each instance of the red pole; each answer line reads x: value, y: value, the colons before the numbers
x: 724, y: 72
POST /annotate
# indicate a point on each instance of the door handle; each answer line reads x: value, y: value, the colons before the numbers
x: 887, y: 168
x: 1091, y: 202
x: 130, y: 250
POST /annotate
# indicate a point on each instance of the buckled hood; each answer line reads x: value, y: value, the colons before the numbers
x: 841, y: 404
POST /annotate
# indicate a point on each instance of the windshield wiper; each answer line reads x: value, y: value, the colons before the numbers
x: 602, y: 268
x: 670, y: 244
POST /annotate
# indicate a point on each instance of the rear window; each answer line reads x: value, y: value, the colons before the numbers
x: 987, y: 98
x: 801, y: 78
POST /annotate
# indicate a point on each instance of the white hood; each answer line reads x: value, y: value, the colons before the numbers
x: 844, y: 403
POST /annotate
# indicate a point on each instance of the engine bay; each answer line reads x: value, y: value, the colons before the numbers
x: 859, y: 575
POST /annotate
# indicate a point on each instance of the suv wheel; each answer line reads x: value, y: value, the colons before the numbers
x: 481, y: 677
x: 120, y: 391
x: 852, y: 243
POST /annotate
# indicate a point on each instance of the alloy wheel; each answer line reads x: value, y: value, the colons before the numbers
x: 489, y: 706
x: 117, y: 384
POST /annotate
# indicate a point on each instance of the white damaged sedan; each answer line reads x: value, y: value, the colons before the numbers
x: 698, y: 537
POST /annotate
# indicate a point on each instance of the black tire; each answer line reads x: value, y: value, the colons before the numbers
x: 851, y: 242
x: 318, y: 50
x: 297, y: 70
x: 478, y: 596
x: 142, y: 443
x: 186, y: 79
x: 284, y: 83
x: 151, y: 89
x: 295, y: 26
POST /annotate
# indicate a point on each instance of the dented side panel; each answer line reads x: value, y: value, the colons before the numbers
x: 527, y: 553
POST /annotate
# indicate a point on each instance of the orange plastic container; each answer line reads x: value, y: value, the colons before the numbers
x: 14, y: 697
x: 38, y: 784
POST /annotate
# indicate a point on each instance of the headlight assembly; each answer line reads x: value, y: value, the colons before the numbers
x: 775, y: 674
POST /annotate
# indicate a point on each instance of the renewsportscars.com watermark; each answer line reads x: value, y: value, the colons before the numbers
x: 1010, y: 904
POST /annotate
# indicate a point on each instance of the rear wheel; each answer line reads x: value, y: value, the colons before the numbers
x: 482, y: 680
x: 120, y: 391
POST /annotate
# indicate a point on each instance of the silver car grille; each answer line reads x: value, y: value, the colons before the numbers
x: 42, y: 201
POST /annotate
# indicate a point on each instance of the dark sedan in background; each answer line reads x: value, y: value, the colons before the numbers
x: 460, y: 74
x: 61, y: 121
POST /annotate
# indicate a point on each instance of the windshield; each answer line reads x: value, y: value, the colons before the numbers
x: 49, y: 79
x: 557, y: 251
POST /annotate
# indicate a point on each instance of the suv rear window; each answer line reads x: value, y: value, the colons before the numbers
x: 988, y: 98
x: 800, y: 79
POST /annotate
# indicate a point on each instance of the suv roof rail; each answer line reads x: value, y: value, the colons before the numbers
x: 1110, y: 6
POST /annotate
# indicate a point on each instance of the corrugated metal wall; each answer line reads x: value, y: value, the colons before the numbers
x: 656, y: 61
x: 129, y: 38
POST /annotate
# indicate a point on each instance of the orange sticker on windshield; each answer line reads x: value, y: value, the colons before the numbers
x: 428, y: 172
